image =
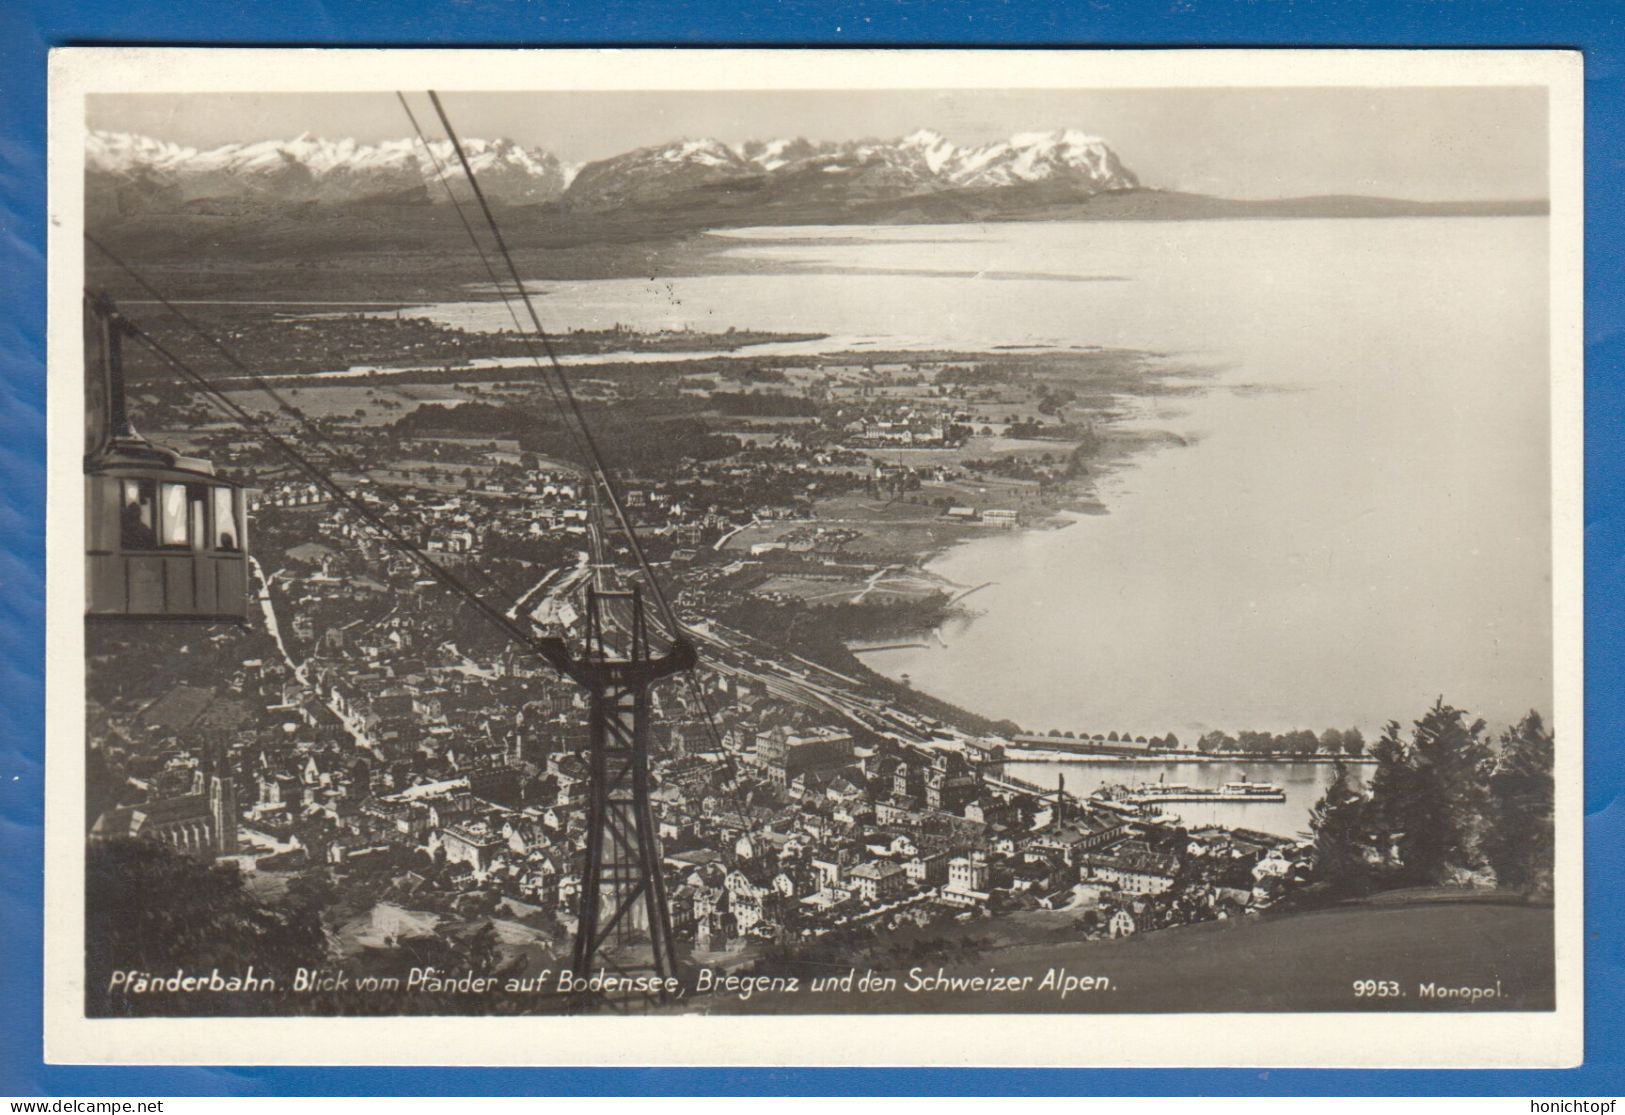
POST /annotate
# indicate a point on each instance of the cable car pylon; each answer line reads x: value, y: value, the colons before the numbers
x: 623, y: 924
x: 621, y: 880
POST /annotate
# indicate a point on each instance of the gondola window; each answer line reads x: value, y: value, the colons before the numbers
x: 172, y: 518
x: 136, y: 525
x: 225, y: 522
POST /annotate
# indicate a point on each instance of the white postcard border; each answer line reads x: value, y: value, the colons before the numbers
x: 1399, y: 1040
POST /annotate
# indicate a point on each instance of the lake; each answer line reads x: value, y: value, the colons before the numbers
x: 1358, y: 524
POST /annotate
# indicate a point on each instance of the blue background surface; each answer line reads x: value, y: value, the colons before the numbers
x: 29, y: 28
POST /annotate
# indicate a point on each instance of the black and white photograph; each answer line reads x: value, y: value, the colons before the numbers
x: 1015, y: 547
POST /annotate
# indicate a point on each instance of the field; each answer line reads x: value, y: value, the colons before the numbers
x: 368, y: 406
x: 1291, y: 961
x: 882, y: 588
x: 885, y: 529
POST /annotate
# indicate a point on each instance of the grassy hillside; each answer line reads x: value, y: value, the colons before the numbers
x: 1290, y: 961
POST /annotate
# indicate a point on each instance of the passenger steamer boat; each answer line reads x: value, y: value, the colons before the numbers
x: 1242, y: 791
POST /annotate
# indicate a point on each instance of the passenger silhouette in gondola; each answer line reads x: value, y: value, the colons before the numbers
x: 227, y: 542
x: 137, y: 534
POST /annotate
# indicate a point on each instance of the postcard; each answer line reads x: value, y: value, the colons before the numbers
x: 814, y: 557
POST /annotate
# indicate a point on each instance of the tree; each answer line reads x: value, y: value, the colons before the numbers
x: 481, y: 950
x: 1256, y: 743
x: 1331, y: 742
x: 149, y: 908
x: 1394, y: 792
x: 1519, y: 839
x: 1353, y: 742
x: 1429, y: 794
x: 1442, y: 805
x: 101, y: 788
x: 1454, y: 752
x: 1171, y: 741
x: 1300, y: 741
x: 1343, y: 849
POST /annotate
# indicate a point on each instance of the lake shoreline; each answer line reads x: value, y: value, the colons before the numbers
x: 1025, y: 755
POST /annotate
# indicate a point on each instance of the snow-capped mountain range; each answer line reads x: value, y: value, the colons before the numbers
x: 774, y: 171
x: 313, y: 169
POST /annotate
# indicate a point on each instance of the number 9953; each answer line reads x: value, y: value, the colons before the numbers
x: 1376, y: 989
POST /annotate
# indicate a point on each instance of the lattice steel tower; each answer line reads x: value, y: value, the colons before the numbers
x: 624, y: 927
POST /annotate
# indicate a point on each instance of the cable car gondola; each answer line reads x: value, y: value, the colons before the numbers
x: 165, y: 538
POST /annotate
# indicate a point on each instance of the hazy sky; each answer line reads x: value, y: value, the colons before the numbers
x: 1424, y: 143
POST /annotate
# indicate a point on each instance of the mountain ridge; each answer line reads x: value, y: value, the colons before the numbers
x: 316, y: 201
x: 127, y: 171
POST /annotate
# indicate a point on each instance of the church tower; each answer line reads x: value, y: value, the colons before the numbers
x: 222, y: 806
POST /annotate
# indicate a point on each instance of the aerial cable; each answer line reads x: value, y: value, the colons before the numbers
x: 675, y: 627
x: 283, y: 403
x: 497, y: 284
x: 231, y: 358
x: 500, y: 287
x: 586, y: 452
x: 310, y: 468
x: 457, y: 206
x: 551, y: 650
